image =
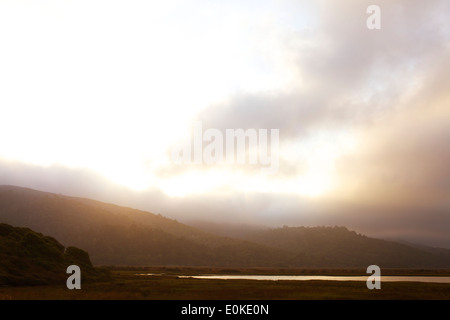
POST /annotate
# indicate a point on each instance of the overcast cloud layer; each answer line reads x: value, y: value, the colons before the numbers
x: 94, y: 95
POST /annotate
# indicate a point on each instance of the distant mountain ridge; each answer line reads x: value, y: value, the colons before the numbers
x: 337, y: 246
x: 115, y: 235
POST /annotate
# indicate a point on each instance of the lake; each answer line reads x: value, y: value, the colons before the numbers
x: 332, y: 278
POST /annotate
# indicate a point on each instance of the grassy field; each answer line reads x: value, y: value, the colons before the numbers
x: 126, y: 285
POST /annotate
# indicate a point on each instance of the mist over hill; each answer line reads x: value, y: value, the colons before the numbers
x: 115, y: 235
x: 337, y: 246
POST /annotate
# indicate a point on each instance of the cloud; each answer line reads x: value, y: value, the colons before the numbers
x: 408, y: 152
x: 347, y: 73
x: 366, y: 109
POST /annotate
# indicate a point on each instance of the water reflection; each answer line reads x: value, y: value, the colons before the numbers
x: 332, y: 278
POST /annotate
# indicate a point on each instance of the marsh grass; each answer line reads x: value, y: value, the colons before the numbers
x: 126, y: 285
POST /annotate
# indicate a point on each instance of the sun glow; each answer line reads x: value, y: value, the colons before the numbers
x: 114, y: 97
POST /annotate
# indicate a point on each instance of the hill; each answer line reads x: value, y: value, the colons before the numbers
x: 115, y: 235
x: 338, y: 247
x: 30, y: 258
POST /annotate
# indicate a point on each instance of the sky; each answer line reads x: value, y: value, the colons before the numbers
x: 95, y: 96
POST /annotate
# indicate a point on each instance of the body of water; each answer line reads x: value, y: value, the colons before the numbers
x: 331, y: 278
